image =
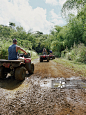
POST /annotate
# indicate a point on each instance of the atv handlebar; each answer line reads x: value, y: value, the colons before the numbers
x: 23, y: 54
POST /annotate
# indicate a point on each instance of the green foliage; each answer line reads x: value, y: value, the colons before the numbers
x: 57, y: 54
x: 61, y: 40
x: 77, y: 53
x: 4, y: 50
x: 70, y: 4
x: 81, y: 55
x: 11, y: 24
x: 57, y: 47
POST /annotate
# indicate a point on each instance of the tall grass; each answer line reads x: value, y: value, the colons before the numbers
x: 77, y: 67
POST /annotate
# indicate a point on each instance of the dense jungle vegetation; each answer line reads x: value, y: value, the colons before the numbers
x: 68, y: 41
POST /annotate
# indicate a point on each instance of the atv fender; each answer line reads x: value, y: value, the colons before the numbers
x: 28, y: 66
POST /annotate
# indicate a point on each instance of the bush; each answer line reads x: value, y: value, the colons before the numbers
x: 57, y: 54
x: 68, y: 56
x: 81, y: 55
x: 77, y: 53
x: 4, y: 50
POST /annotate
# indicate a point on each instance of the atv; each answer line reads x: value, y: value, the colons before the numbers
x: 51, y: 56
x: 16, y: 68
x: 44, y: 57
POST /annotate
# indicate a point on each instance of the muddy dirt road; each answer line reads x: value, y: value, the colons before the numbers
x: 35, y: 96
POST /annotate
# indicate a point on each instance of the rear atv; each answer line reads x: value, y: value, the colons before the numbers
x: 16, y: 68
x: 51, y: 56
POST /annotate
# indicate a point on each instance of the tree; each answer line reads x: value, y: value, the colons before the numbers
x: 70, y: 4
x: 19, y: 29
x: 12, y: 24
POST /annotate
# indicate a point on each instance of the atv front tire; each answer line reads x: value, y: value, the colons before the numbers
x: 32, y: 69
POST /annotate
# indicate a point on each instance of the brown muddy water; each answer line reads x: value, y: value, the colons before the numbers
x: 36, y: 95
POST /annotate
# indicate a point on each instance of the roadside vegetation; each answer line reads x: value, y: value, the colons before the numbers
x: 77, y: 53
x: 77, y: 67
x: 68, y: 42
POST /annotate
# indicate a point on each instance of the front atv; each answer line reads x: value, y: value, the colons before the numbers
x: 44, y: 57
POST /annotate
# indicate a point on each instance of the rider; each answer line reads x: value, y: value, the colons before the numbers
x: 13, y: 51
x: 44, y: 51
x: 50, y: 51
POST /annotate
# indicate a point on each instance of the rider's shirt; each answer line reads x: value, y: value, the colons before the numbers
x: 12, y: 52
x: 44, y: 53
x: 50, y: 51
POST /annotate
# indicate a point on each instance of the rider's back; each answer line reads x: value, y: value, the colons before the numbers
x: 12, y: 52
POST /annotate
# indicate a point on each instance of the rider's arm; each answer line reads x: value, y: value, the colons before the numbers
x: 19, y: 48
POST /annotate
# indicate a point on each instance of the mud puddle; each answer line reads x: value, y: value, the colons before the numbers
x: 35, y: 96
x: 66, y: 83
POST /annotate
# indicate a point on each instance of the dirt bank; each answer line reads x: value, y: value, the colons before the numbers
x: 34, y: 96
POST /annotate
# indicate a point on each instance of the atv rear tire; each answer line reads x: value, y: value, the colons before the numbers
x: 1, y: 72
x: 32, y: 69
x: 20, y: 73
